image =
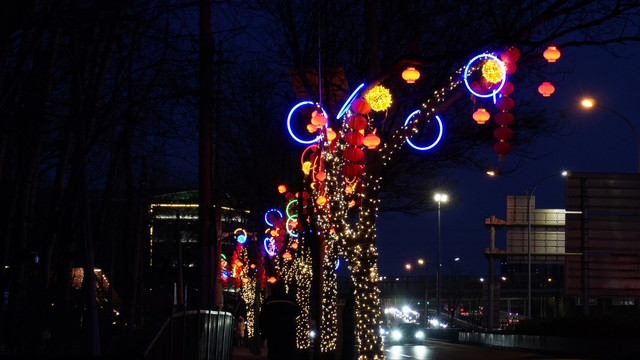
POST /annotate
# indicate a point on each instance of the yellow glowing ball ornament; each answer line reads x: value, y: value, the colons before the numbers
x: 379, y: 98
x: 492, y: 71
x: 306, y: 167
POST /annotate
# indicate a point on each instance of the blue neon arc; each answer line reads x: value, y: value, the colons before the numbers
x: 349, y: 101
x: 293, y: 110
x: 495, y: 91
x: 266, y: 216
x: 437, y: 140
x: 268, y: 245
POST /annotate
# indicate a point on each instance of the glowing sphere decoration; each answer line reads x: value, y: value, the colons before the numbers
x: 240, y: 235
x: 551, y: 54
x: 318, y: 120
x: 546, y: 89
x: 282, y: 189
x: 492, y: 71
x: 435, y: 142
x: 379, y: 98
x: 495, y: 89
x: 290, y: 117
x: 410, y: 75
x: 331, y: 134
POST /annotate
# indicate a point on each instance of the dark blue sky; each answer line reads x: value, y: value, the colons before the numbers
x: 598, y: 141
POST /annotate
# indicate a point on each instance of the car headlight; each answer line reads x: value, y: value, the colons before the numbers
x: 420, y: 334
x: 396, y: 335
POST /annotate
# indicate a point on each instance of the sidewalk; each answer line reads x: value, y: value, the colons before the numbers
x: 243, y: 353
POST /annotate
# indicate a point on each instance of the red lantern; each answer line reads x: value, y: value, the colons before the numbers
x: 481, y: 116
x: 410, y: 75
x: 504, y: 118
x: 502, y: 148
x: 272, y: 280
x: 503, y: 133
x: 352, y: 170
x: 353, y: 138
x: 546, y: 89
x: 371, y: 141
x: 282, y: 189
x: 331, y: 134
x: 321, y: 176
x: 321, y: 200
x: 505, y: 103
x: 318, y: 120
x: 311, y: 128
x: 361, y: 106
x: 286, y: 255
x: 357, y: 122
x: 551, y: 54
x: 354, y: 154
x: 510, y: 67
x: 511, y: 55
x: 507, y: 89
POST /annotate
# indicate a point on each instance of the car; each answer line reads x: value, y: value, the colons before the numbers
x: 406, y: 334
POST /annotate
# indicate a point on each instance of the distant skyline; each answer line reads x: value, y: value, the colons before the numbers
x: 599, y: 141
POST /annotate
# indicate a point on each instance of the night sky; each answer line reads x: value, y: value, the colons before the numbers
x: 593, y: 141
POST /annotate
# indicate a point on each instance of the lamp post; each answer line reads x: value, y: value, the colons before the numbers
x: 589, y: 103
x: 529, y: 195
x: 439, y: 198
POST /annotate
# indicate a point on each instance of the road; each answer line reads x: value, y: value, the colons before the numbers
x: 436, y: 350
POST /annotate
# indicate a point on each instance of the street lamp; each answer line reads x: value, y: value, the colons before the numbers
x: 439, y: 198
x: 529, y: 195
x: 590, y: 103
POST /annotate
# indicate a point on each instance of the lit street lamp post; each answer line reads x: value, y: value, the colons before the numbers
x: 529, y: 195
x: 589, y: 103
x: 439, y: 198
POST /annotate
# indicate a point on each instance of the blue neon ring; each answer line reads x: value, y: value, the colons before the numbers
x: 293, y: 109
x: 440, y: 133
x: 266, y: 216
x: 494, y: 92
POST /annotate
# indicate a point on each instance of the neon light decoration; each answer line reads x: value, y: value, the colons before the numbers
x: 437, y: 140
x: 293, y: 109
x: 241, y: 235
x: 269, y: 245
x: 292, y: 227
x: 502, y: 70
x: 337, y: 264
x: 288, y: 208
x: 266, y: 216
x: 349, y: 101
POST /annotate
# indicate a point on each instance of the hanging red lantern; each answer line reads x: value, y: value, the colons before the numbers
x: 481, y: 116
x: 286, y: 255
x: 546, y: 89
x: 331, y: 134
x: 371, y: 141
x: 353, y: 138
x: 502, y: 148
x: 505, y: 103
x: 551, y: 54
x: 352, y: 170
x: 321, y: 176
x: 504, y: 118
x: 410, y: 75
x: 357, y: 122
x: 272, y: 280
x: 503, y: 133
x: 321, y: 200
x: 319, y: 120
x: 361, y: 106
x: 510, y: 55
x: 354, y: 154
x: 311, y: 128
x: 507, y: 89
x: 510, y: 67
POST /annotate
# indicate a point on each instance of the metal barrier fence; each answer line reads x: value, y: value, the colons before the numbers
x: 194, y: 334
